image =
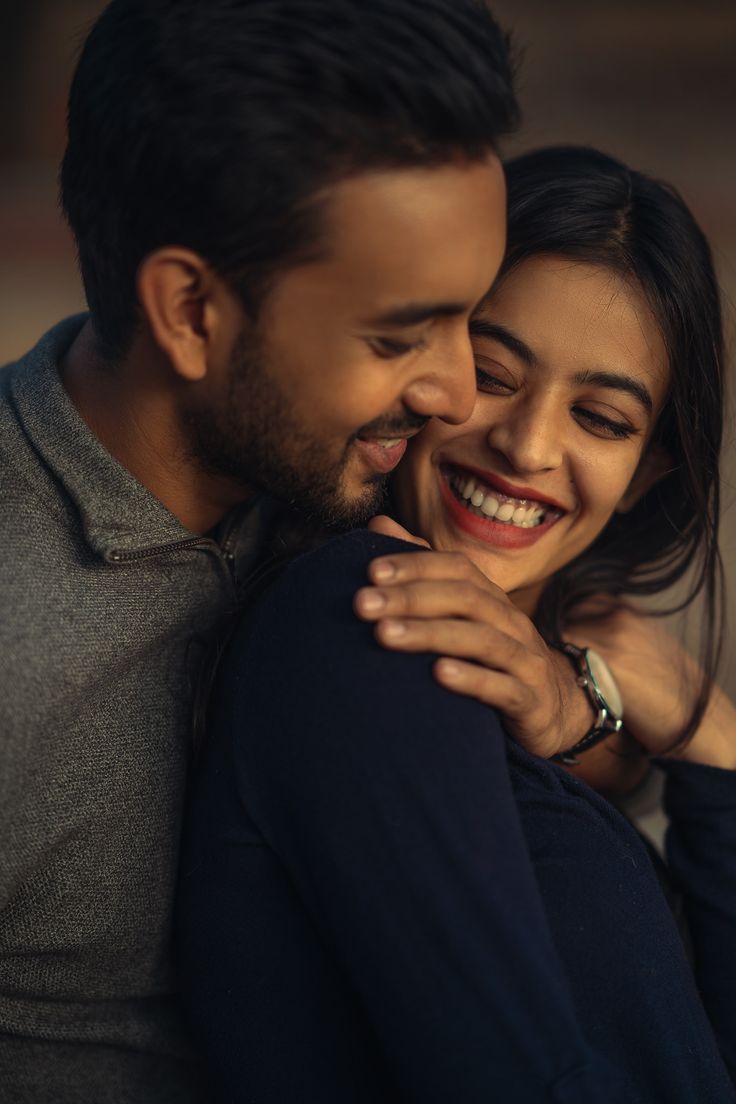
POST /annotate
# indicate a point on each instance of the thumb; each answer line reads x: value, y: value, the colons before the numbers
x: 390, y: 528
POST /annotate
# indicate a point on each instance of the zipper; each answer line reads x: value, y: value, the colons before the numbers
x: 158, y: 550
x: 225, y: 544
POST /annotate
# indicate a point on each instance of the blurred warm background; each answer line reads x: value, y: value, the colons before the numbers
x: 653, y: 82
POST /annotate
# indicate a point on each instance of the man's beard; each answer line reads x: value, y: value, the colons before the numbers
x: 250, y: 435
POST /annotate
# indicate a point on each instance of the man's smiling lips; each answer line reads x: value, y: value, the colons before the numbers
x: 495, y: 512
x: 383, y: 453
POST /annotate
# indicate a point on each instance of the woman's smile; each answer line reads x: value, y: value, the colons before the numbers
x: 483, y: 506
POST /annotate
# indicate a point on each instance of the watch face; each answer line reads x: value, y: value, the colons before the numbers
x: 606, y: 683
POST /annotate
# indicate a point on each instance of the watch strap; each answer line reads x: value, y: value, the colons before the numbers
x: 605, y: 723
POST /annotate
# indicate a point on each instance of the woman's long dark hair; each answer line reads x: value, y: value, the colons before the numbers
x: 578, y: 203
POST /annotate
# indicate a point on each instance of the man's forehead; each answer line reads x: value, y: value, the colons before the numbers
x: 420, y: 234
x: 399, y: 247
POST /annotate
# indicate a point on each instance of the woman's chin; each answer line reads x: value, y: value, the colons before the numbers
x: 523, y: 591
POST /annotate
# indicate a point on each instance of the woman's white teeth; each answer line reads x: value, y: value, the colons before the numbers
x: 510, y: 511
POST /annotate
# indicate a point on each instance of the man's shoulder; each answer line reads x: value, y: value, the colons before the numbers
x: 32, y: 499
x: 34, y: 529
x: 304, y: 626
x: 34, y: 511
x: 26, y: 484
x: 14, y: 446
x: 342, y: 561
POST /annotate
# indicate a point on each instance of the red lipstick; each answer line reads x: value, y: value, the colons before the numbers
x: 498, y: 533
x: 495, y: 482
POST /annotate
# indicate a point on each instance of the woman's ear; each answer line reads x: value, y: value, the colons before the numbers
x: 654, y: 464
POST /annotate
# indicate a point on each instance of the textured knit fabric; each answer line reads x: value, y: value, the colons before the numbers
x: 382, y: 899
x: 107, y: 602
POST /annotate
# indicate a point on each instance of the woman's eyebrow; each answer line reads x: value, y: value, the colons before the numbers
x: 481, y: 327
x: 617, y: 382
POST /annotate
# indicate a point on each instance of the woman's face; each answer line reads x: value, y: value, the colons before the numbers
x: 572, y: 373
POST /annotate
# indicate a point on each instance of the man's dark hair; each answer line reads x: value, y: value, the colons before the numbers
x: 216, y: 125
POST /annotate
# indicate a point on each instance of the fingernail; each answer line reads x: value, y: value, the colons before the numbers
x: 393, y: 628
x: 371, y: 600
x: 382, y: 570
x: 448, y: 669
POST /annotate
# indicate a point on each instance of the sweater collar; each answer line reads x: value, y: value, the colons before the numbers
x: 119, y: 516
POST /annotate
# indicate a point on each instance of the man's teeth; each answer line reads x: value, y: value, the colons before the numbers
x: 482, y: 501
x: 388, y: 442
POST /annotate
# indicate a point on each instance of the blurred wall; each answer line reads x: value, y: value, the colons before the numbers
x: 652, y: 82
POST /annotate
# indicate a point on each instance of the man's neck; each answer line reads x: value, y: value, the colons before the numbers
x: 131, y: 410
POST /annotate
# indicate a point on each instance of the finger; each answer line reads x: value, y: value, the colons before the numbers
x: 493, y: 688
x: 408, y: 566
x: 381, y: 523
x: 427, y: 598
x: 461, y: 639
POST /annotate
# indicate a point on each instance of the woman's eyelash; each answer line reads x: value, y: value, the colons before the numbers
x: 486, y: 380
x: 619, y: 430
x: 604, y: 426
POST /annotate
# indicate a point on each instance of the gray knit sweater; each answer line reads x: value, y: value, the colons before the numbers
x: 107, y: 602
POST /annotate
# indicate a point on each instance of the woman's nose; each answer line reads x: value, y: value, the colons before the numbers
x: 530, y: 437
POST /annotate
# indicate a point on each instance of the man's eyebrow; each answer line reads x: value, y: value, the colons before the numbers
x: 481, y: 327
x: 617, y: 382
x: 412, y: 314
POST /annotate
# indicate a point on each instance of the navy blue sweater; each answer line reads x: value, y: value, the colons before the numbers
x: 383, y: 899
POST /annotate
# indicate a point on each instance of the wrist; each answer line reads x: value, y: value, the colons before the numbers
x: 578, y: 712
x: 615, y: 767
x: 714, y: 742
x: 594, y: 677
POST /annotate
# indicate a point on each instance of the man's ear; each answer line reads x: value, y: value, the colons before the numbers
x: 176, y: 288
x: 654, y: 464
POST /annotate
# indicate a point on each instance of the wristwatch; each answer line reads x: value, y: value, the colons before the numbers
x: 594, y: 676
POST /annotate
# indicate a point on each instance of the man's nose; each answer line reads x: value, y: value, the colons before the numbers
x: 446, y: 386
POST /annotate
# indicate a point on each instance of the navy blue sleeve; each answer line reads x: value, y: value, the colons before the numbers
x: 381, y: 804
x: 701, y: 851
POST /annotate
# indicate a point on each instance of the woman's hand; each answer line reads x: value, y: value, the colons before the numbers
x: 659, y: 683
x: 489, y: 649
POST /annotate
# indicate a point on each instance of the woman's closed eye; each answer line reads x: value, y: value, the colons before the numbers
x: 491, y: 383
x: 602, y: 425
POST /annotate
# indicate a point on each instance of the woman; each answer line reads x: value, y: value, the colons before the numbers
x: 382, y: 898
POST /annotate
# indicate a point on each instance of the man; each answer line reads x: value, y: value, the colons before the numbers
x: 285, y: 212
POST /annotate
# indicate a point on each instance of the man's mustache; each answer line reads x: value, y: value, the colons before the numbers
x: 397, y: 426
